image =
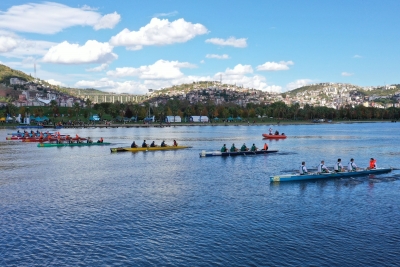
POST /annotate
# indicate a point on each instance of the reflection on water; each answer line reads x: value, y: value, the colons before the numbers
x: 88, y: 206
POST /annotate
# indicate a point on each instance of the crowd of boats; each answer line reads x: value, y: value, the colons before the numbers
x: 56, y: 139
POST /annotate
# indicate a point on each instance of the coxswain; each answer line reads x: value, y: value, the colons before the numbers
x: 253, y: 148
x: 175, y: 143
x: 163, y: 144
x: 338, y: 166
x: 322, y: 168
x: 133, y: 145
x: 303, y: 168
x: 233, y: 148
x: 153, y: 144
x: 372, y: 164
x: 265, y: 146
x: 144, y: 143
x: 101, y: 140
x: 223, y: 148
x: 351, y: 167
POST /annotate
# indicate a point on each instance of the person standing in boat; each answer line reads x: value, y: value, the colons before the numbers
x: 265, y: 146
x: 303, y: 169
x: 223, y: 148
x: 133, y: 145
x: 338, y: 166
x: 351, y: 167
x: 144, y: 143
x: 372, y: 164
x: 322, y: 168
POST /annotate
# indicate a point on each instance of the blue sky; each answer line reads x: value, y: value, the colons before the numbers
x: 132, y: 46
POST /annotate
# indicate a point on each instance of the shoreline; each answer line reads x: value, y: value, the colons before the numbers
x: 158, y: 125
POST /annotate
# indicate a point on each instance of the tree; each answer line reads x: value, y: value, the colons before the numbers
x: 76, y: 108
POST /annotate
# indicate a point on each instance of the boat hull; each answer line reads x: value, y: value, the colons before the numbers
x: 137, y: 149
x: 323, y: 176
x: 274, y: 136
x: 232, y: 154
x: 71, y: 144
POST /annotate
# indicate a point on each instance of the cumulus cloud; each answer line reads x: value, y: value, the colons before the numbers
x: 158, y: 32
x: 98, y: 68
x: 105, y: 84
x: 224, y: 56
x: 7, y: 44
x: 231, y: 41
x: 298, y: 83
x: 162, y: 69
x: 346, y: 74
x: 239, y: 69
x: 54, y: 82
x: 275, y: 66
x: 108, y: 21
x: 91, y: 52
x: 50, y: 18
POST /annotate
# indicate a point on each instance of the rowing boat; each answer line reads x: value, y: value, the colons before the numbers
x: 232, y: 154
x: 136, y: 149
x: 323, y: 176
x: 274, y: 136
x: 71, y: 144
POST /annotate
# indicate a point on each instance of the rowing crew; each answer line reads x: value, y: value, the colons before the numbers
x: 351, y: 166
x: 144, y: 144
x: 243, y: 148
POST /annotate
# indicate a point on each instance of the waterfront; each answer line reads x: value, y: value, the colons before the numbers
x: 87, y: 206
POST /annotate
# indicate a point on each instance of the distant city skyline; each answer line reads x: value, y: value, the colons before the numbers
x: 133, y: 46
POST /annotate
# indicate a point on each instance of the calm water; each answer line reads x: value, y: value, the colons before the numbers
x: 84, y: 206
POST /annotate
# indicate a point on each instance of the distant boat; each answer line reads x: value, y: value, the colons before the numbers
x: 274, y: 136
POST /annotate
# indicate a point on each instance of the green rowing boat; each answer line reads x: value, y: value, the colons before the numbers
x: 136, y: 149
x: 71, y: 144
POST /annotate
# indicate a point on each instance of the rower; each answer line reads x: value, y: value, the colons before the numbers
x: 233, y: 148
x: 144, y: 143
x: 175, y: 143
x: 153, y: 144
x: 303, y: 168
x: 351, y: 167
x: 133, y: 145
x: 372, y: 164
x: 253, y: 148
x: 223, y: 148
x: 244, y: 147
x: 265, y: 146
x: 101, y: 140
x: 163, y: 144
x: 338, y: 166
x: 322, y: 168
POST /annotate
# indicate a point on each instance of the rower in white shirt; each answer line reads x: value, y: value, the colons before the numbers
x: 303, y: 168
x: 322, y: 168
x: 352, y: 167
x: 338, y: 166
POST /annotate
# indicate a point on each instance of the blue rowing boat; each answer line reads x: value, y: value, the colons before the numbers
x: 232, y: 154
x: 323, y: 176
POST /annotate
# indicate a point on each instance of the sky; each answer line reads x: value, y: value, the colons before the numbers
x: 271, y: 45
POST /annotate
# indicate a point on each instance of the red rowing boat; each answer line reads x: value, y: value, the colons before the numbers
x: 274, y: 136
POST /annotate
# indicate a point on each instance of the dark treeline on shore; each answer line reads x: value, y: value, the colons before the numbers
x: 184, y: 109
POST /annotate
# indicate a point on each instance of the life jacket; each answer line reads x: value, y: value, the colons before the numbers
x: 372, y: 164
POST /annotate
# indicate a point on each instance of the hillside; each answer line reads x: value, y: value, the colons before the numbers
x: 6, y: 73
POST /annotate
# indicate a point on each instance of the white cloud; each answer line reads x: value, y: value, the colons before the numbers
x: 50, y: 18
x: 170, y: 14
x: 347, y: 74
x: 108, y: 21
x: 162, y: 69
x: 297, y: 84
x: 239, y: 69
x: 224, y: 56
x: 7, y: 44
x: 275, y: 66
x: 105, y: 84
x: 91, y: 52
x: 357, y: 56
x: 98, y: 68
x: 158, y: 32
x: 54, y: 82
x: 231, y: 41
